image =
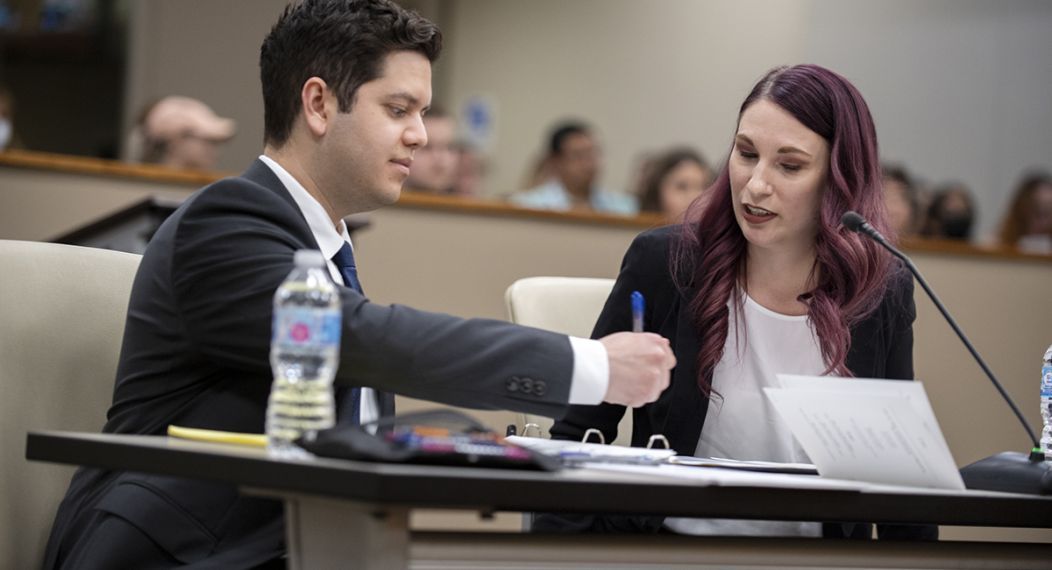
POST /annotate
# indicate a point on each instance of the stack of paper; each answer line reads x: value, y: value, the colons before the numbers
x: 879, y: 431
x: 761, y: 466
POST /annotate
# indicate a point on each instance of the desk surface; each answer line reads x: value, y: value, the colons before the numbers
x: 506, y: 490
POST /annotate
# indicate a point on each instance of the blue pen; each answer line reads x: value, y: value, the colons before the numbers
x: 637, y: 311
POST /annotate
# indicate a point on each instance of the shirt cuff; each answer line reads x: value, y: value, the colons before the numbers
x: 591, y: 371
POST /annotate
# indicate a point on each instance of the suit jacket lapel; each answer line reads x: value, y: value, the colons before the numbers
x: 261, y: 174
x: 687, y: 411
x: 680, y: 410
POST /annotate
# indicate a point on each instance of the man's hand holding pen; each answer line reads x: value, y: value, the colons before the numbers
x: 639, y: 367
x: 640, y: 363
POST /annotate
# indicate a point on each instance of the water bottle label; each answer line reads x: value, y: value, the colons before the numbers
x: 305, y: 326
x: 1046, y: 381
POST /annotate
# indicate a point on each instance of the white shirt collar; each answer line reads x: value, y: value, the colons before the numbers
x: 329, y: 239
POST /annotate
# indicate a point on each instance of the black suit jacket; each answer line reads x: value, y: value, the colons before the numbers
x: 881, y: 347
x: 196, y: 353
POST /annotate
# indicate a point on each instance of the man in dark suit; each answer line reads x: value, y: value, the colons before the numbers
x: 345, y: 87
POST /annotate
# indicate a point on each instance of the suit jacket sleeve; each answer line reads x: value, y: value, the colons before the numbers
x: 235, y: 246
x: 902, y: 312
x: 882, y: 342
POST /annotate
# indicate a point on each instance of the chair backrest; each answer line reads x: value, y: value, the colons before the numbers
x: 62, y: 312
x: 568, y: 305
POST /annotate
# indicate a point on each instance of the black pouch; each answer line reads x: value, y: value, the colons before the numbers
x: 432, y: 437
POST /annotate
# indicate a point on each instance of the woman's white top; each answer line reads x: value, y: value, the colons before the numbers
x: 741, y: 423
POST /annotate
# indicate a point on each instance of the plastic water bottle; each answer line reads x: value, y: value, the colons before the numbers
x: 1046, y: 404
x: 304, y: 354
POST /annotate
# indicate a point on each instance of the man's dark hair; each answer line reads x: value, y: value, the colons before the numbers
x: 344, y: 42
x: 563, y: 131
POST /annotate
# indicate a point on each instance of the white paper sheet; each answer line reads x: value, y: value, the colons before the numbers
x: 722, y: 477
x: 741, y: 465
x: 879, y: 431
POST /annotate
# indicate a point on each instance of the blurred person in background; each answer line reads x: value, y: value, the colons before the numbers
x: 573, y: 163
x: 900, y: 199
x: 8, y: 139
x: 1028, y: 223
x: 671, y: 181
x: 471, y: 168
x: 434, y: 167
x: 951, y: 214
x: 180, y: 132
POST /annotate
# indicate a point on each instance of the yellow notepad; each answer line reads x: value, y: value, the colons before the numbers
x: 250, y: 439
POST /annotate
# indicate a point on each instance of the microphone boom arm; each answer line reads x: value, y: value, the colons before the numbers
x: 858, y: 224
x: 975, y: 354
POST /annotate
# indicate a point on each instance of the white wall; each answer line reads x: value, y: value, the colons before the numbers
x: 959, y: 89
x: 209, y: 50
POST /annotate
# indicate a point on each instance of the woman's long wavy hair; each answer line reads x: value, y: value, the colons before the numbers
x: 850, y: 272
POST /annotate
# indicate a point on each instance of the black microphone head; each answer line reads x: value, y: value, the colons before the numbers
x: 852, y: 220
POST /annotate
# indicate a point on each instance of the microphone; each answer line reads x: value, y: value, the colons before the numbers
x: 1007, y: 471
x: 854, y: 221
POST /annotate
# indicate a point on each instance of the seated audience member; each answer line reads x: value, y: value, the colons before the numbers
x: 573, y: 163
x: 471, y: 168
x: 764, y: 280
x: 179, y: 132
x: 345, y: 86
x: 434, y: 167
x: 900, y: 198
x: 8, y: 139
x: 950, y: 215
x: 1028, y: 223
x: 673, y: 180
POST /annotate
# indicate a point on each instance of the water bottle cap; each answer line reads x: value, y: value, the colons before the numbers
x: 309, y: 258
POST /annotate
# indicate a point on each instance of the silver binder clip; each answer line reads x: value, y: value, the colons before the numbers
x: 531, y: 430
x: 657, y: 438
x: 590, y: 432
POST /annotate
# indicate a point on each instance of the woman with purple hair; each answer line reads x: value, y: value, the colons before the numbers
x: 763, y: 279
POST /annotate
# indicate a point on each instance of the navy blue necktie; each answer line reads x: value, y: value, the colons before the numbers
x: 344, y: 260
x: 349, y: 401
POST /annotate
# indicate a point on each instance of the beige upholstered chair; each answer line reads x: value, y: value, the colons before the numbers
x: 62, y: 311
x: 568, y: 305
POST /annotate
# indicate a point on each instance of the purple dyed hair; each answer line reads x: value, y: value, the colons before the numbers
x: 851, y: 272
